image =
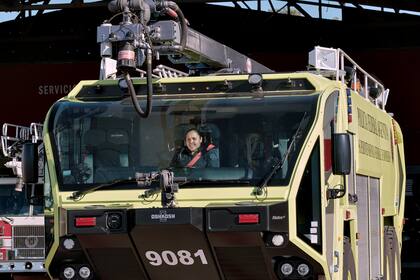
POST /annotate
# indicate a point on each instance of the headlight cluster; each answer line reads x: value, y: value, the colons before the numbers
x: 76, y: 272
x: 293, y: 268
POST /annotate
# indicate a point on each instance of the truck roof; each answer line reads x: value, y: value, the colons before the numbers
x: 286, y: 82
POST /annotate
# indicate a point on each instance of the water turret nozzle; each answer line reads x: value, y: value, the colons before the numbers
x: 117, y: 6
x: 135, y: 41
x: 144, y: 8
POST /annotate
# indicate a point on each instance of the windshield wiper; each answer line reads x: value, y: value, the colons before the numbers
x: 216, y: 181
x: 279, y: 165
x: 77, y: 195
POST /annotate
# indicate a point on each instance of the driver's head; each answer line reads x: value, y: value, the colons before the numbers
x: 193, y: 140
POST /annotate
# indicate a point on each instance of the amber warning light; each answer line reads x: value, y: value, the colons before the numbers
x: 85, y: 221
x: 248, y: 218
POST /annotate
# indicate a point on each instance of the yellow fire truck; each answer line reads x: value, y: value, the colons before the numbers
x: 308, y: 183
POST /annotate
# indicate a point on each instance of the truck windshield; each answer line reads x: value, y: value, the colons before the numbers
x: 240, y: 139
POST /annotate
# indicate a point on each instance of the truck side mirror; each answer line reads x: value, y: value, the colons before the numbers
x: 30, y: 163
x: 342, y: 154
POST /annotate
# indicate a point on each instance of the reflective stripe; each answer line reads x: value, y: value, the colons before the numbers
x: 194, y: 160
x: 210, y: 147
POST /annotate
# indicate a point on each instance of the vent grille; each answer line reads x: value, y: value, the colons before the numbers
x: 28, y: 231
x: 242, y: 263
x: 30, y: 254
x: 29, y: 242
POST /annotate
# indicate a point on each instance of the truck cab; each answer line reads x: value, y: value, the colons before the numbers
x: 265, y: 197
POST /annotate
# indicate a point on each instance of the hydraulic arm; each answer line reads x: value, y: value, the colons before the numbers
x: 139, y: 39
x: 137, y: 34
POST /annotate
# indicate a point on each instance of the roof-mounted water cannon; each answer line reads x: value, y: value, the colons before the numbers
x: 135, y: 42
x: 134, y: 35
x: 132, y: 40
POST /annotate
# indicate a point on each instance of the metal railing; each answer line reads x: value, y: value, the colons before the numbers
x: 336, y: 63
x: 12, y: 135
x: 167, y: 72
x: 369, y: 82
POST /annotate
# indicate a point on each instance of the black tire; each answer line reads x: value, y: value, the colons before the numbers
x: 349, y: 267
x: 391, y: 256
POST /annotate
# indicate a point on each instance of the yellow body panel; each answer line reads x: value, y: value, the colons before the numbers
x: 378, y: 153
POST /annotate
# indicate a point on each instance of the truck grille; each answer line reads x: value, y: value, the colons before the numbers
x: 29, y: 242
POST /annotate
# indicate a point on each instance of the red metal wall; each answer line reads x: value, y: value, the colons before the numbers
x: 28, y: 90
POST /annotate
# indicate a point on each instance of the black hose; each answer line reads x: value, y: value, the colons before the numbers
x: 116, y: 6
x: 146, y: 113
x: 184, y: 26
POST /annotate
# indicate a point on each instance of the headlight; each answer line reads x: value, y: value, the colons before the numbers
x: 69, y: 272
x: 255, y: 79
x: 303, y: 269
x: 286, y: 269
x: 84, y: 272
x: 114, y: 221
x: 277, y: 240
x: 68, y: 243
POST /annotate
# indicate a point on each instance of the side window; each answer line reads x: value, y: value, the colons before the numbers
x: 48, y: 205
x: 330, y: 121
x: 400, y: 175
x: 48, y: 198
x: 308, y: 203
